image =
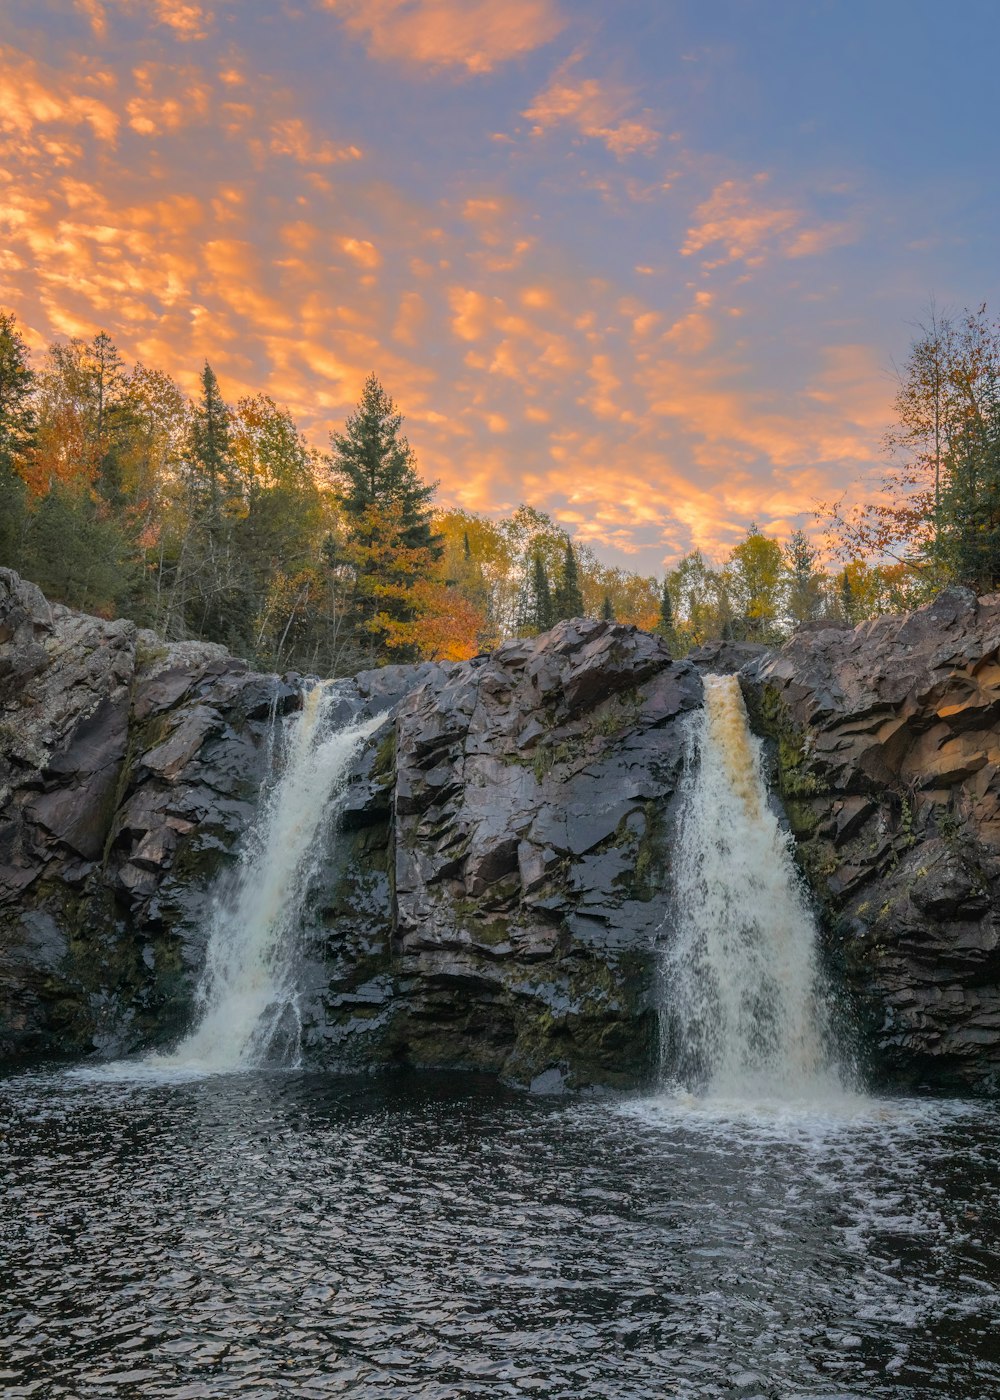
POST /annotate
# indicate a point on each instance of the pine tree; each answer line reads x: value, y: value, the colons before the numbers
x: 543, y: 614
x: 375, y: 466
x: 805, y: 586
x: 665, y: 622
x: 607, y: 609
x: 568, y: 600
x: 213, y: 476
x: 390, y: 532
x: 17, y: 434
x: 17, y: 413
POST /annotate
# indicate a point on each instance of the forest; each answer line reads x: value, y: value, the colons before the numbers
x: 219, y: 521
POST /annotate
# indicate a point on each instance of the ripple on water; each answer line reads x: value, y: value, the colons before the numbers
x: 433, y: 1238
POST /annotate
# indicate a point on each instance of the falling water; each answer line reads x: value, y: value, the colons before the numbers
x: 247, y: 999
x: 744, y: 1011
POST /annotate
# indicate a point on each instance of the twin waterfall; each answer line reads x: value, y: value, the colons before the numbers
x: 743, y: 1015
x: 248, y: 997
x: 743, y: 1010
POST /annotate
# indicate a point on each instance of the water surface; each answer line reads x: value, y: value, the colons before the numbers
x: 435, y: 1238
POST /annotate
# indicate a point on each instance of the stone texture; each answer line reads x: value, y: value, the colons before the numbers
x: 492, y: 897
x: 888, y: 761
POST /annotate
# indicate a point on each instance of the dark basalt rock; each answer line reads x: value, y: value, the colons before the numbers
x: 888, y: 761
x: 492, y: 899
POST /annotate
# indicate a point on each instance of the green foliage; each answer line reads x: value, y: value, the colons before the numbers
x: 568, y: 599
x: 541, y: 614
x: 18, y: 419
x: 374, y: 466
x: 72, y: 552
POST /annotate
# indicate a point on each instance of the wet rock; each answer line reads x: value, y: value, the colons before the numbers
x: 888, y: 760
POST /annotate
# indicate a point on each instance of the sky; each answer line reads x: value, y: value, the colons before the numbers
x: 645, y: 264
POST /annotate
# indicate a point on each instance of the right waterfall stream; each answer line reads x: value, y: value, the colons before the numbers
x: 744, y: 1011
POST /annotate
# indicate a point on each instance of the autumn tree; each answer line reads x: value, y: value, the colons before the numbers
x: 755, y: 578
x: 938, y: 511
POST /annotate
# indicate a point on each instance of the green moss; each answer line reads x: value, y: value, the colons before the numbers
x: 385, y: 758
x: 148, y: 654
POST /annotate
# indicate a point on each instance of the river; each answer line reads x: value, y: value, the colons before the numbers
x: 435, y: 1238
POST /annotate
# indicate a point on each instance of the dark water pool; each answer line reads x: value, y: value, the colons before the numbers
x: 433, y: 1238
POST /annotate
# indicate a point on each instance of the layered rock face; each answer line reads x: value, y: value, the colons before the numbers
x: 888, y: 762
x: 530, y: 854
x: 492, y: 901
x: 128, y: 770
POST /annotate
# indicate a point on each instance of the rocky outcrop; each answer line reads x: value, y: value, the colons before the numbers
x: 492, y: 901
x: 887, y: 745
x: 128, y: 772
x: 531, y: 808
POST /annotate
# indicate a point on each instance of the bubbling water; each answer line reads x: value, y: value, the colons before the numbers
x: 745, y: 1014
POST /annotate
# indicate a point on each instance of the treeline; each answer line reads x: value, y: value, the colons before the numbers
x: 218, y: 521
x: 215, y: 520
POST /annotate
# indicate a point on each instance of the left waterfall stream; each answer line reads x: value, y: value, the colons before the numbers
x: 247, y: 1002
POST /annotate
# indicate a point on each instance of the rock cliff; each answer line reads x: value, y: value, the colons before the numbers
x: 492, y: 901
x: 501, y: 875
x: 887, y: 745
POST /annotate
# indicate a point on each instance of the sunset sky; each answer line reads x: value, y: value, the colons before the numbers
x: 643, y: 263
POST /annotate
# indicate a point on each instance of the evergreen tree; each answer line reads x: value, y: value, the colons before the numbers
x: 391, y: 539
x: 665, y: 626
x: 17, y: 434
x: 212, y: 469
x: 375, y: 467
x: 607, y: 609
x: 805, y: 585
x: 543, y: 615
x: 568, y: 600
x: 665, y: 622
x: 846, y: 600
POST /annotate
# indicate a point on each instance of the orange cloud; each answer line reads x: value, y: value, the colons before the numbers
x: 476, y: 35
x: 187, y: 19
x: 597, y: 110
x: 167, y: 99
x: 291, y: 137
x: 31, y: 96
x: 748, y: 226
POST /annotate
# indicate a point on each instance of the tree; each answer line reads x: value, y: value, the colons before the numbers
x: 805, y: 583
x: 939, y: 508
x: 373, y: 464
x: 540, y: 611
x: 568, y: 599
x: 17, y: 434
x: 380, y: 490
x: 755, y: 576
x: 607, y: 609
x: 665, y: 621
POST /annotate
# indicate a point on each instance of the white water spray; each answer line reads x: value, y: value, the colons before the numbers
x: 247, y: 999
x: 744, y: 1012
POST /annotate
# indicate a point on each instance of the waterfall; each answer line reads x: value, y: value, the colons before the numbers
x: 247, y: 998
x: 744, y: 1012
